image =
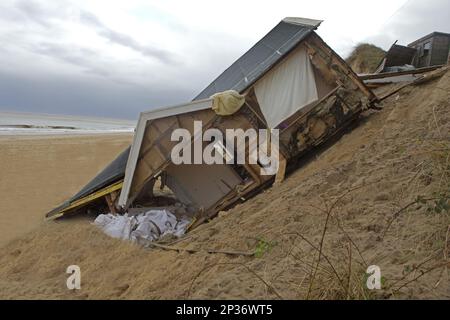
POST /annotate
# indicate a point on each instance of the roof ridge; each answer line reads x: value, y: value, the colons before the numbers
x: 303, y: 21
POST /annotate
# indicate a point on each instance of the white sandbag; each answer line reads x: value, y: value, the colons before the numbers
x: 116, y: 226
x: 150, y: 225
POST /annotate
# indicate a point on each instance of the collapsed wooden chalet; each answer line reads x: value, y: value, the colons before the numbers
x: 408, y: 64
x: 290, y: 80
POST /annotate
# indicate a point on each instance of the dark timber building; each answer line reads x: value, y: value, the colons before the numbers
x: 432, y: 50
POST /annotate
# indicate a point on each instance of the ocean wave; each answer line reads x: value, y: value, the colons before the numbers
x: 16, y: 123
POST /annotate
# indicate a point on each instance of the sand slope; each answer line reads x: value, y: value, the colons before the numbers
x: 360, y: 183
x: 38, y: 173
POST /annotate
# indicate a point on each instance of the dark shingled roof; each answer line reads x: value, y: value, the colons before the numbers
x: 112, y: 173
x: 262, y: 56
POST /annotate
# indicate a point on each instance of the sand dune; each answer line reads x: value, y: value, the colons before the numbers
x: 39, y: 172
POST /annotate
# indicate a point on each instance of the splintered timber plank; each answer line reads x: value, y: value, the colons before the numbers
x: 110, y: 203
x: 254, y: 175
x: 249, y: 105
x: 281, y: 170
x: 398, y: 73
x: 89, y: 198
x: 179, y: 249
x: 313, y: 109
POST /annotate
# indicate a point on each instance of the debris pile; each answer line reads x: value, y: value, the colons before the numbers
x: 148, y: 226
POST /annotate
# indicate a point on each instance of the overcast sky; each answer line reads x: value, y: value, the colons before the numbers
x: 117, y: 58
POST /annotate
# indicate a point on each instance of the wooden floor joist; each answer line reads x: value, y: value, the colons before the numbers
x: 281, y: 170
x: 228, y: 252
x: 91, y: 197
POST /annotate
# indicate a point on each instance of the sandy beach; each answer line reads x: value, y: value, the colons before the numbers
x: 39, y: 172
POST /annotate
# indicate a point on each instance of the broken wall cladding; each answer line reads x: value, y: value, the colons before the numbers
x: 440, y: 50
x: 325, y: 120
x: 153, y: 161
x: 344, y: 103
x: 399, y: 55
x: 349, y: 90
x: 330, y: 63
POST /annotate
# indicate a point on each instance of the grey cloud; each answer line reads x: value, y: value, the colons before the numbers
x: 415, y: 19
x: 127, y: 41
x: 90, y: 19
x: 10, y: 15
x: 80, y: 57
x: 42, y: 15
x: 33, y: 12
x: 122, y: 39
x: 86, y: 59
x: 83, y: 96
x: 77, y: 56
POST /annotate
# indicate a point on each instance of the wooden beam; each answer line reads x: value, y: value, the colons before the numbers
x: 179, y: 249
x: 89, y: 198
x: 338, y: 61
x: 279, y: 177
x: 256, y: 114
x: 303, y: 115
x: 110, y: 203
x: 398, y: 73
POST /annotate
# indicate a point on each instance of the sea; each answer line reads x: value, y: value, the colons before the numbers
x: 12, y: 123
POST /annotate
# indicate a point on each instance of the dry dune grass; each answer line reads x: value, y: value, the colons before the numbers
x: 365, y: 58
x: 376, y: 196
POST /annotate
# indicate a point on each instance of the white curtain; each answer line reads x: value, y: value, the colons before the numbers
x: 287, y: 88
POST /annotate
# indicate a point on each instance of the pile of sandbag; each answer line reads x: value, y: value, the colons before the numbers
x: 150, y: 225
